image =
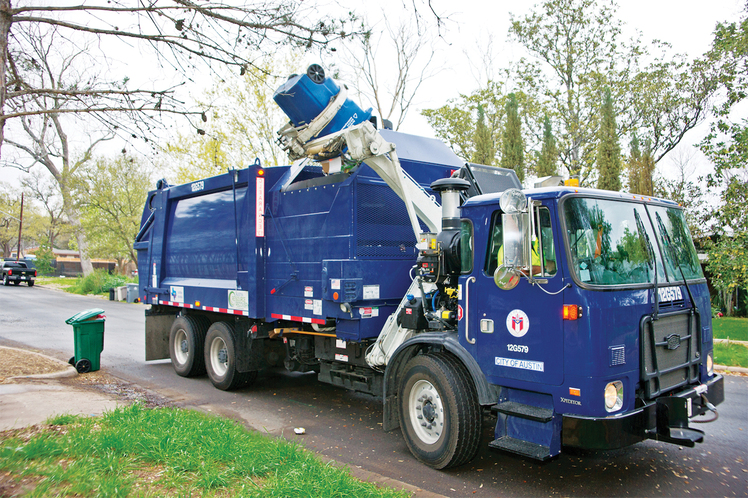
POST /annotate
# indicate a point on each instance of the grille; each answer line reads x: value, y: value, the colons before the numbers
x: 668, y: 305
x: 382, y: 225
x: 670, y: 352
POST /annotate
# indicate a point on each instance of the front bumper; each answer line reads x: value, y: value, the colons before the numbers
x: 663, y: 419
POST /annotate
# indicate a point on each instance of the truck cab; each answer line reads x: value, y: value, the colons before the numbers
x: 607, y: 325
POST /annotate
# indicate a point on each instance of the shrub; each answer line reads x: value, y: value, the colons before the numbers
x: 99, y: 282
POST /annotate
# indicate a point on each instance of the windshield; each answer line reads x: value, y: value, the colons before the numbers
x: 611, y: 242
x: 677, y: 245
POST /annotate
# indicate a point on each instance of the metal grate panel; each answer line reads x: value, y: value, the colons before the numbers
x: 670, y: 352
x: 383, y: 228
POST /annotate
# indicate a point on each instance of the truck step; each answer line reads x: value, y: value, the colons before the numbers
x: 520, y: 447
x: 682, y: 436
x: 524, y: 411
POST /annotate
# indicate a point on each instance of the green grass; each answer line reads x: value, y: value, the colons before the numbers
x: 135, y: 451
x: 736, y: 329
x: 99, y: 282
x: 732, y: 355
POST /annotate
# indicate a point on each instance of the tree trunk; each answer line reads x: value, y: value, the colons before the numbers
x: 5, y: 20
x: 71, y: 211
x: 80, y: 238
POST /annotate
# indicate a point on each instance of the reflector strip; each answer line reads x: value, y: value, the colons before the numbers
x: 260, y: 206
x: 302, y: 319
x: 206, y: 308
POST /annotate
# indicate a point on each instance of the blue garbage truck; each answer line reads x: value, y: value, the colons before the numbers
x: 388, y: 265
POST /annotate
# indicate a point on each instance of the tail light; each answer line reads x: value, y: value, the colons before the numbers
x: 10, y: 272
x: 34, y: 272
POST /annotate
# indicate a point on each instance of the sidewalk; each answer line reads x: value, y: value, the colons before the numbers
x: 30, y: 398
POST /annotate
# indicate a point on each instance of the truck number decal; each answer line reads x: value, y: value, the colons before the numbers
x: 197, y: 186
x: 670, y: 294
x: 518, y: 348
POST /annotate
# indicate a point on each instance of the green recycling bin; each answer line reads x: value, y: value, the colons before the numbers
x: 88, y: 330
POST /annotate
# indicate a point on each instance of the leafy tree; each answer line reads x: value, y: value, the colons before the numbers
x: 728, y: 254
x: 608, y: 149
x: 547, y: 161
x: 484, y: 144
x: 513, y: 146
x: 634, y: 166
x: 10, y: 212
x: 111, y: 212
x: 646, y: 178
x: 577, y: 51
x: 44, y: 258
x: 727, y: 147
x: 34, y: 224
x: 455, y: 125
x: 53, y: 231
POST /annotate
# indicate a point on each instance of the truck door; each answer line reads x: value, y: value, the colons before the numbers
x: 518, y: 333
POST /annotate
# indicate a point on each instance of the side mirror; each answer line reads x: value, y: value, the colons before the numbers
x: 516, y: 240
x: 506, y: 278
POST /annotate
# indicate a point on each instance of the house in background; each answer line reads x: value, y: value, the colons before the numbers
x: 67, y: 262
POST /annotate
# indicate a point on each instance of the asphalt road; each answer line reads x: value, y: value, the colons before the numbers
x: 347, y: 426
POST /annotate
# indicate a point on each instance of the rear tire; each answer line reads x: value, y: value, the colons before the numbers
x: 220, y: 358
x: 31, y: 283
x: 186, y: 340
x: 16, y: 282
x: 439, y: 412
x: 6, y: 280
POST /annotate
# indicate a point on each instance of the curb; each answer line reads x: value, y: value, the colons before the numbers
x: 69, y: 371
x: 731, y: 341
x: 380, y: 480
x: 723, y: 368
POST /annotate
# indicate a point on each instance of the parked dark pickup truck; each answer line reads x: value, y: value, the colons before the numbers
x: 17, y: 272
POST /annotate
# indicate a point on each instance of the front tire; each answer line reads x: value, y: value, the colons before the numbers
x: 220, y: 358
x: 439, y: 412
x: 186, y: 340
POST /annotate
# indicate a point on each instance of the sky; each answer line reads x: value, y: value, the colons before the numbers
x: 686, y: 24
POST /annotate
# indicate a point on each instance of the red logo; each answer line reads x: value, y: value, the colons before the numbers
x: 518, y: 323
x: 459, y: 312
x: 408, y: 311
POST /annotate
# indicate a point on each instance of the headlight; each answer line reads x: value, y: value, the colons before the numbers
x: 614, y: 396
x: 709, y: 364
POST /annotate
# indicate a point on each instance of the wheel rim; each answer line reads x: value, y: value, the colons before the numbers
x: 219, y: 359
x: 181, y: 346
x: 426, y: 411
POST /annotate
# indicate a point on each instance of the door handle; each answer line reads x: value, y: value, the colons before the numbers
x: 467, y: 310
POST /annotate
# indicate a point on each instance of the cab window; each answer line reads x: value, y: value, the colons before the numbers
x: 543, y: 249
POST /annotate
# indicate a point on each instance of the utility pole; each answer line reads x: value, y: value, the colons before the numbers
x: 20, y: 227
